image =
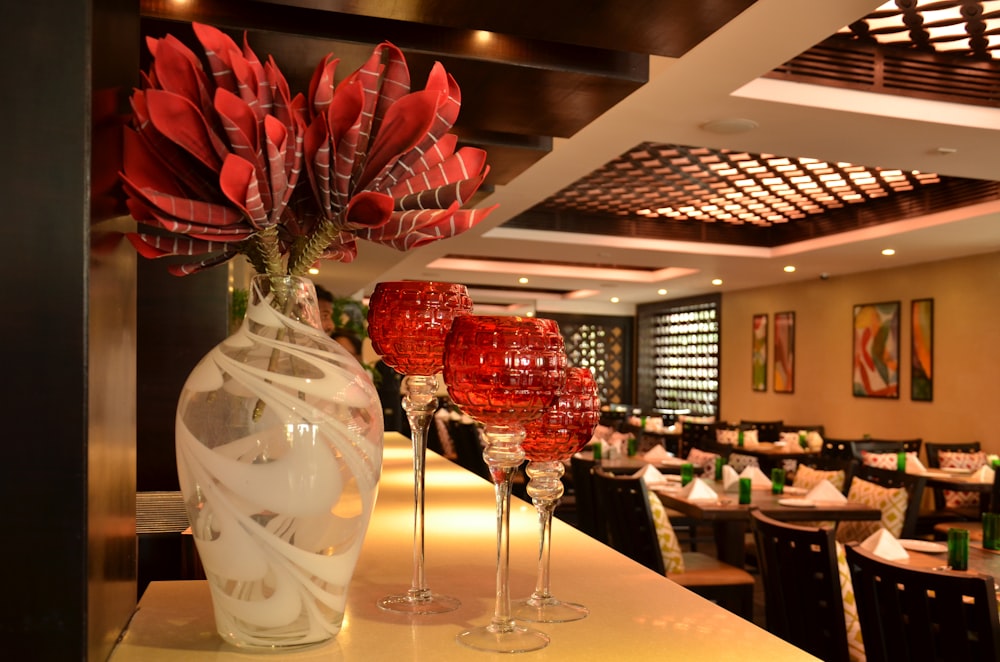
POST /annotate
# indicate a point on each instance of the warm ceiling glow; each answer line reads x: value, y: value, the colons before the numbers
x: 313, y: 270
x: 522, y: 280
x: 716, y: 281
x: 661, y: 291
x: 888, y: 251
x: 789, y: 269
x: 614, y: 299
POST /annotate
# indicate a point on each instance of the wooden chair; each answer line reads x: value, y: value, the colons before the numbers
x: 808, y: 428
x: 802, y: 595
x: 828, y: 463
x: 913, y: 483
x: 942, y: 513
x: 839, y: 448
x: 698, y: 435
x: 766, y: 430
x: 632, y: 532
x: 975, y: 526
x: 885, y: 446
x: 909, y: 613
x: 587, y: 517
x: 933, y: 451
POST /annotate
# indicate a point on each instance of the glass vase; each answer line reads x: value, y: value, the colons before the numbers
x: 279, y: 451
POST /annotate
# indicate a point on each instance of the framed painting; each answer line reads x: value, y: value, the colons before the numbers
x: 784, y: 352
x: 876, y: 350
x: 758, y: 358
x: 922, y: 349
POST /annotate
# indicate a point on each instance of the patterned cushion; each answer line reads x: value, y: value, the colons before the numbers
x: 883, y: 460
x: 670, y: 548
x: 731, y: 436
x: 808, y: 478
x: 855, y: 646
x: 740, y: 462
x: 703, y: 459
x: 958, y: 460
x: 890, y: 500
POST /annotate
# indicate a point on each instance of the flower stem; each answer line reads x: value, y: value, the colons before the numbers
x: 310, y: 250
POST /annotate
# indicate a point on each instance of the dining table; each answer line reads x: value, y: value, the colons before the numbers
x: 773, y: 454
x: 731, y: 520
x: 635, y: 613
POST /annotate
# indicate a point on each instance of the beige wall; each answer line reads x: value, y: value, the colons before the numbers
x: 966, y: 403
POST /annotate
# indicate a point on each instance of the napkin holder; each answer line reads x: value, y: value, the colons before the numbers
x: 699, y: 490
x: 825, y: 491
x: 883, y: 544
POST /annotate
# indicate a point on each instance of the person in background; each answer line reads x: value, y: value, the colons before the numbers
x: 349, y: 341
x: 325, y: 299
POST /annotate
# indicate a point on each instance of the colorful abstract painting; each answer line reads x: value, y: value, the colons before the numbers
x: 784, y: 352
x: 876, y: 350
x: 758, y: 361
x: 922, y: 349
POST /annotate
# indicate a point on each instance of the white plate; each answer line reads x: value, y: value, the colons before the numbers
x: 797, y: 503
x: 923, y: 546
x: 955, y: 470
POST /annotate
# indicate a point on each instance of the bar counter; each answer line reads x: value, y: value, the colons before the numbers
x: 635, y: 614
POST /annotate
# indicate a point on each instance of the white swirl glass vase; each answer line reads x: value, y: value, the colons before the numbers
x: 279, y: 452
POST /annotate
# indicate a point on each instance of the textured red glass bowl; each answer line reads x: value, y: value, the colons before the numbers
x: 409, y: 320
x: 567, y: 424
x: 503, y: 370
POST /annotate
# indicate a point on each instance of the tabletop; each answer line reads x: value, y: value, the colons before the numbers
x: 635, y: 613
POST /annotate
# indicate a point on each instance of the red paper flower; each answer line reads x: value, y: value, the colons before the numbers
x: 226, y: 161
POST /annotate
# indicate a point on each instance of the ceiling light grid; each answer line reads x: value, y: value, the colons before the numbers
x: 722, y: 186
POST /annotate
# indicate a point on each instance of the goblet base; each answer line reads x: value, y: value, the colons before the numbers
x: 512, y: 638
x: 547, y: 610
x: 419, y: 603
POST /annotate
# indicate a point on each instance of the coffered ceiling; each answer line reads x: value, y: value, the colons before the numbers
x: 660, y: 144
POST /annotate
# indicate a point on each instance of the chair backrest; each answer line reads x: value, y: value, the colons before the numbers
x: 837, y: 448
x: 630, y: 526
x: 468, y: 449
x: 885, y: 446
x: 698, y: 435
x: 913, y: 483
x: 802, y: 596
x: 933, y: 450
x: 828, y: 463
x: 808, y: 428
x: 766, y: 430
x: 587, y: 518
x: 908, y: 613
x: 934, y: 461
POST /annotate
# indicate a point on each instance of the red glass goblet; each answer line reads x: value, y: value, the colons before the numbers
x: 503, y: 372
x: 407, y: 323
x: 564, y: 428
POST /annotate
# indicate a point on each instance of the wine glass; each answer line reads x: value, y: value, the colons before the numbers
x: 563, y: 429
x: 407, y: 323
x: 503, y: 372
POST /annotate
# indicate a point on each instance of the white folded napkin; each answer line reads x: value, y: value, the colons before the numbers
x: 884, y: 544
x: 825, y: 491
x: 730, y: 479
x: 650, y: 475
x: 655, y: 454
x: 699, y: 490
x: 914, y: 466
x: 757, y: 478
x: 984, y: 474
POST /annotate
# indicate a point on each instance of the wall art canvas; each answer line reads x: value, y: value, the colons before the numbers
x: 876, y: 350
x: 922, y: 349
x: 784, y: 352
x: 758, y: 360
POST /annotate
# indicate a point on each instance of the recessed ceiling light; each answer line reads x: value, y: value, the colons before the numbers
x: 730, y: 125
x: 615, y: 299
x: 888, y: 251
x: 661, y: 291
x: 522, y: 280
x: 790, y: 268
x: 716, y: 281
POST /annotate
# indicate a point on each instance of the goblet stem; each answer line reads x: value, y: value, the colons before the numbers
x: 503, y: 454
x: 546, y: 489
x: 419, y: 402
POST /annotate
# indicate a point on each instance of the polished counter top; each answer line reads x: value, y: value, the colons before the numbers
x: 635, y: 614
